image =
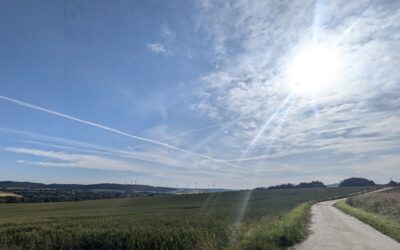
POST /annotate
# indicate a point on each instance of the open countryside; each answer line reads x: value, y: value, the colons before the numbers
x: 199, y: 125
x: 197, y: 221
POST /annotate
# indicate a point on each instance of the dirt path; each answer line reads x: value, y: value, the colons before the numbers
x: 332, y: 229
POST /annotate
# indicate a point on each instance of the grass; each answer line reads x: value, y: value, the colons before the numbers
x: 273, y: 219
x: 283, y: 232
x: 380, y: 210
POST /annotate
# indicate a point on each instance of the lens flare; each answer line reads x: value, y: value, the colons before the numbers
x: 313, y: 70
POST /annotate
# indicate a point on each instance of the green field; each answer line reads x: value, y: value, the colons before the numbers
x: 381, y: 210
x: 199, y: 221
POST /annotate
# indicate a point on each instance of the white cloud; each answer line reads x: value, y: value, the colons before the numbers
x: 167, y: 32
x: 75, y: 160
x: 158, y: 48
x: 156, y: 163
x: 255, y: 40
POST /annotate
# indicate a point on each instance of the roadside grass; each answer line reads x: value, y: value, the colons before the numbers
x: 385, y: 224
x: 273, y: 219
x: 384, y: 203
x: 284, y: 232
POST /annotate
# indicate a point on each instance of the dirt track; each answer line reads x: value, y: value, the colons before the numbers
x: 332, y: 229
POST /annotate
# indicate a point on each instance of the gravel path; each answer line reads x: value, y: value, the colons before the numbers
x: 332, y: 229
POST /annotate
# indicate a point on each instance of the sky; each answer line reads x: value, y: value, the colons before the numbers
x: 230, y: 94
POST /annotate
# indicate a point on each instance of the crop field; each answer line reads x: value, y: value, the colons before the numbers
x: 5, y: 194
x: 198, y: 221
x: 380, y: 210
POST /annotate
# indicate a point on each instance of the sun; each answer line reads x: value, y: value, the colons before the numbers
x: 313, y: 70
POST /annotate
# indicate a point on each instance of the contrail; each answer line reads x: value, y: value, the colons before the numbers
x: 208, y: 127
x: 115, y: 131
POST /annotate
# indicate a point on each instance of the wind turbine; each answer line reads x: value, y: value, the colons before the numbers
x: 391, y: 182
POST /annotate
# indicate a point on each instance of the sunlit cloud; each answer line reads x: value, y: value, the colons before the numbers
x: 273, y: 53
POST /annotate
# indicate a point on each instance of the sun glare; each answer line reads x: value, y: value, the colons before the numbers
x: 313, y: 70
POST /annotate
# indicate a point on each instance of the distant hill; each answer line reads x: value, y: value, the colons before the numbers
x: 355, y: 181
x: 10, y: 185
x: 39, y: 192
x: 101, y: 186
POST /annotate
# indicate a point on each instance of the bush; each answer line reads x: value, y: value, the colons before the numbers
x: 313, y: 184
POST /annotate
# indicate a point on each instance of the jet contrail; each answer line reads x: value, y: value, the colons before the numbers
x: 116, y: 131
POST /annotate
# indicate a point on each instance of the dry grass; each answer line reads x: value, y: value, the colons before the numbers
x: 386, y: 203
x: 381, y: 210
x: 5, y: 194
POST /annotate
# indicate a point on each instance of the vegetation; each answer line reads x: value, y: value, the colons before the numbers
x: 381, y: 210
x: 283, y: 186
x: 201, y: 221
x: 356, y: 182
x: 57, y: 195
x: 313, y: 184
x: 6, y: 194
x: 103, y: 186
x: 283, y: 232
x: 7, y: 197
x: 39, y: 192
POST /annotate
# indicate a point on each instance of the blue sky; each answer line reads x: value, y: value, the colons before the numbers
x: 184, y: 92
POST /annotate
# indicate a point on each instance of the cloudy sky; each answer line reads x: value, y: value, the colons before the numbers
x: 235, y: 94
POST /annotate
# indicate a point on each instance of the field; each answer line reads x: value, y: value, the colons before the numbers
x: 385, y: 203
x: 273, y: 219
x: 381, y: 210
x: 7, y: 194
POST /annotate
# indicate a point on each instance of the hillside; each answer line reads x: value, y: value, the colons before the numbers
x: 108, y: 186
x: 39, y: 192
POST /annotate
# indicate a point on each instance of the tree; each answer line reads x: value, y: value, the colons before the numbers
x: 313, y: 184
x: 283, y: 186
x: 354, y: 181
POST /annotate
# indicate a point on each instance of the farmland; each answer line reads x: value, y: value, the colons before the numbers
x: 198, y: 221
x: 381, y: 210
x: 6, y: 194
x: 8, y: 197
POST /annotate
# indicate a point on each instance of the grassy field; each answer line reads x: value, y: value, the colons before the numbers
x: 273, y: 219
x: 380, y: 210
